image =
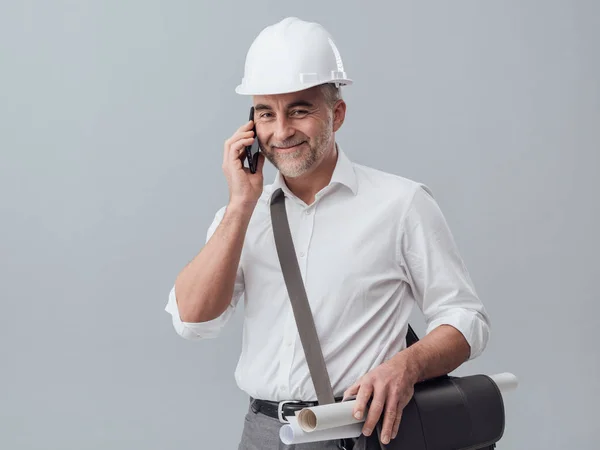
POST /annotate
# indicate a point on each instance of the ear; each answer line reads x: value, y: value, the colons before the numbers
x: 339, y: 114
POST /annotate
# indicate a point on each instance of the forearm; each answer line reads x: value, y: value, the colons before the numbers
x: 438, y: 353
x: 205, y: 286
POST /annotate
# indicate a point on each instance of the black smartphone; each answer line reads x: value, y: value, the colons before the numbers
x: 252, y: 150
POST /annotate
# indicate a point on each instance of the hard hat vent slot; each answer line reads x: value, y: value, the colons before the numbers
x: 336, y: 75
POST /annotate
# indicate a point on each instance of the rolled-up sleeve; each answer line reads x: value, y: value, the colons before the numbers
x: 439, y: 280
x: 211, y: 328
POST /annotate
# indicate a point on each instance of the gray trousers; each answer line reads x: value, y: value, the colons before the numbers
x: 261, y: 432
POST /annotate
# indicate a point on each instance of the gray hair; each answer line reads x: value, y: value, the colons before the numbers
x: 331, y: 93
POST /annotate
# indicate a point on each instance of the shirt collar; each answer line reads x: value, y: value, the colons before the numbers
x: 342, y: 174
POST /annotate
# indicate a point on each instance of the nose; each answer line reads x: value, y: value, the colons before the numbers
x: 283, y: 130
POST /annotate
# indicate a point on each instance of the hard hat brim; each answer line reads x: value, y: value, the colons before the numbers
x: 241, y: 90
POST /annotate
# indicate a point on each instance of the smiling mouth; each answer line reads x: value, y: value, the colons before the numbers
x: 285, y: 149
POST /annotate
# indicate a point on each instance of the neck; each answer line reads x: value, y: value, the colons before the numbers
x: 309, y: 184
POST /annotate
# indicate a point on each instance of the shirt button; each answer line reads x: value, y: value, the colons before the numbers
x: 308, y: 211
x: 302, y: 254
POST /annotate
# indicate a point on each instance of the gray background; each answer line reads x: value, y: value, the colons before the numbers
x: 112, y: 120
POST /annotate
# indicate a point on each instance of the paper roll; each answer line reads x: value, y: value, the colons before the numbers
x: 505, y: 381
x: 291, y: 433
x: 328, y: 416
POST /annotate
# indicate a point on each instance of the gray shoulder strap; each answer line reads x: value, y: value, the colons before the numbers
x: 300, y: 305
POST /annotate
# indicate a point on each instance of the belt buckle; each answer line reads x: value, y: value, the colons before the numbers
x: 280, y: 410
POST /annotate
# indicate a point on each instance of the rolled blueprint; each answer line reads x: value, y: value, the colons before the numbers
x: 506, y: 382
x: 291, y: 433
x: 328, y: 416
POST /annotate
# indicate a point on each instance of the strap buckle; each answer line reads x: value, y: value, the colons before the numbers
x: 280, y: 410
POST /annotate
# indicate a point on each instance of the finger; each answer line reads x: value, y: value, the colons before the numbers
x: 351, y: 391
x: 241, y: 134
x: 389, y: 420
x: 237, y: 148
x: 396, y: 426
x: 247, y: 126
x: 261, y: 162
x: 362, y: 397
x: 375, y: 410
x: 241, y: 157
x: 233, y: 139
x: 237, y: 162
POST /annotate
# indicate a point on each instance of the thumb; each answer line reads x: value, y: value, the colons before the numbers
x: 261, y: 162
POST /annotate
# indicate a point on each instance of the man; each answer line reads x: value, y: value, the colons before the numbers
x: 369, y: 244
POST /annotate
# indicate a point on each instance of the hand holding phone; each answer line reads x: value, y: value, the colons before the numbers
x: 245, y: 184
x: 252, y: 150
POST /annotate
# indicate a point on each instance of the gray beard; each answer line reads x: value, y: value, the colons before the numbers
x: 293, y: 165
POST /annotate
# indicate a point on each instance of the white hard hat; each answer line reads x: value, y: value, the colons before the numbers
x: 290, y: 56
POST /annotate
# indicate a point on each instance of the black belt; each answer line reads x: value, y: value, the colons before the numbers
x: 280, y: 410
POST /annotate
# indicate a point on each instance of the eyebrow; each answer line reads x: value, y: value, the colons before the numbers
x: 263, y: 107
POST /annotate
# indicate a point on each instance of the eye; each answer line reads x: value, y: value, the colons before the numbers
x: 265, y: 115
x: 299, y: 112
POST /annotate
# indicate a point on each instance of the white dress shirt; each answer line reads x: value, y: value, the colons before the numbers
x: 370, y: 247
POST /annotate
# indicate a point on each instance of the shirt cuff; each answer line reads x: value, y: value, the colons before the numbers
x: 471, y: 324
x: 196, y: 330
